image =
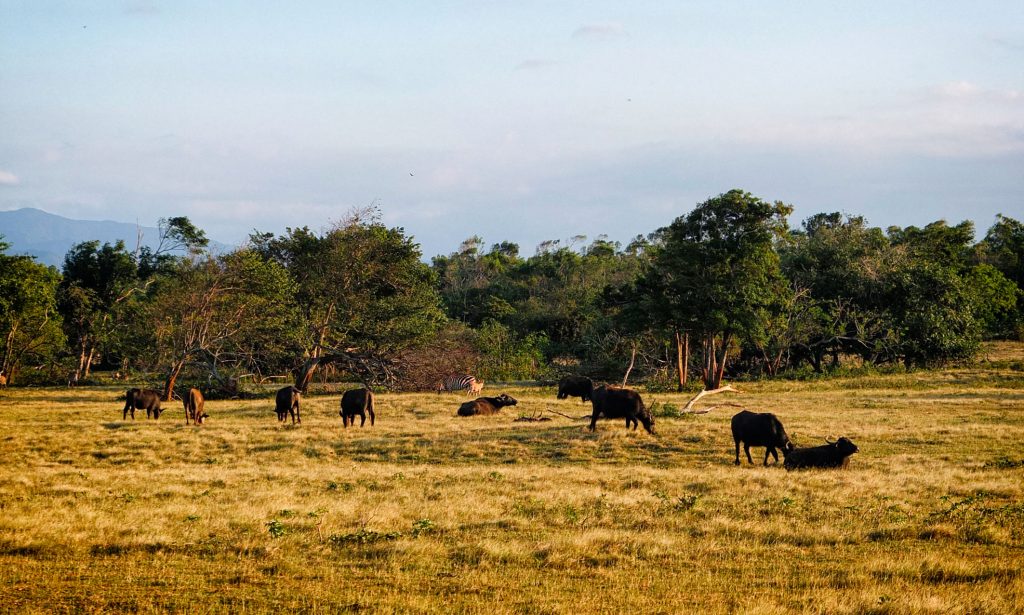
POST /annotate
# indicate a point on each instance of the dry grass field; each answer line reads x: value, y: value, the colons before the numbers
x: 427, y: 512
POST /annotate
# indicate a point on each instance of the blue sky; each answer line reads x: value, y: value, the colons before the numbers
x: 519, y: 121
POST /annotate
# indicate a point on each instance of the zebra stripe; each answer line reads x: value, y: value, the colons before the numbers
x: 457, y: 383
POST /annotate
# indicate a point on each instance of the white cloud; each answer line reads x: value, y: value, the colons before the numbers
x: 598, y: 31
x: 8, y: 179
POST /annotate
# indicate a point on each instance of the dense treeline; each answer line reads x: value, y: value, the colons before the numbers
x: 728, y: 289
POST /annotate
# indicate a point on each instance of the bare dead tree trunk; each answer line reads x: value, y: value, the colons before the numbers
x: 89, y: 360
x: 682, y: 357
x: 710, y: 370
x: 172, y: 376
x: 305, y: 374
x: 80, y: 369
x: 632, y: 360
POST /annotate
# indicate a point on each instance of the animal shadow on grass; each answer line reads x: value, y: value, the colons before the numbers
x: 120, y: 425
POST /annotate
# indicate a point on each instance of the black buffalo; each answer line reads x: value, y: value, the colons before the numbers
x: 356, y: 402
x: 575, y: 386
x: 142, y: 399
x: 288, y: 401
x: 486, y: 405
x: 832, y: 455
x: 759, y: 429
x: 616, y: 403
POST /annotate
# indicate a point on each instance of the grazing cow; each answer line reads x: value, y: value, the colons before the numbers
x: 193, y: 403
x: 288, y: 401
x: 142, y: 399
x: 486, y: 405
x: 461, y: 383
x: 759, y: 429
x: 616, y: 403
x: 832, y: 455
x: 357, y: 402
x: 575, y: 386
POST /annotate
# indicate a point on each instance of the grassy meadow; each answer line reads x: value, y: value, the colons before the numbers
x: 428, y: 512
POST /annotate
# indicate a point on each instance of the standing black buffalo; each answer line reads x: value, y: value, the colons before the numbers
x: 356, y: 402
x: 759, y: 429
x: 616, y: 403
x: 832, y: 455
x: 288, y: 401
x: 575, y: 386
x: 142, y: 399
x: 486, y: 405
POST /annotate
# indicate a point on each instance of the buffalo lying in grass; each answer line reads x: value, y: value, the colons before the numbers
x: 832, y: 455
x: 486, y: 405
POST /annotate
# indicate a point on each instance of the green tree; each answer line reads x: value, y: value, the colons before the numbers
x: 95, y: 283
x: 933, y: 312
x: 177, y: 237
x: 717, y: 269
x: 995, y: 300
x: 1003, y: 248
x: 233, y: 311
x: 840, y: 262
x: 30, y: 326
x: 364, y: 293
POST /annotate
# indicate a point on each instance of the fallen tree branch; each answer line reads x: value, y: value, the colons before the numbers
x: 707, y: 410
x: 532, y: 419
x: 689, y: 405
x: 571, y: 418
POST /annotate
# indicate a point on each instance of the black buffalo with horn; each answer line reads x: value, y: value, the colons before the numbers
x: 832, y: 455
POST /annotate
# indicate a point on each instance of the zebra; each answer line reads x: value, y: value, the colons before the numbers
x: 461, y: 383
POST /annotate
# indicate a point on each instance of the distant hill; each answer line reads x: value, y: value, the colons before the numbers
x: 48, y: 237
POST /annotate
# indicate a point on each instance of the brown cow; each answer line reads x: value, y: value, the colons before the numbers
x: 288, y: 401
x: 3, y: 380
x: 193, y: 403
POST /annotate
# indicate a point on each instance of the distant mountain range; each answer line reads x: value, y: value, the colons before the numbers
x: 48, y: 237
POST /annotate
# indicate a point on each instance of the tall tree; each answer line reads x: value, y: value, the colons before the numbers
x: 232, y: 310
x: 840, y: 261
x: 30, y: 326
x: 95, y: 282
x: 717, y: 268
x: 365, y: 294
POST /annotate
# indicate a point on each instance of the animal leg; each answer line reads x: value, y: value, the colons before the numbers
x: 593, y: 422
x: 371, y: 417
x: 775, y: 455
x: 362, y: 419
x: 746, y: 449
x: 737, y: 451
